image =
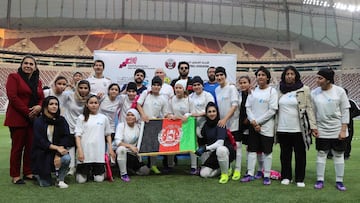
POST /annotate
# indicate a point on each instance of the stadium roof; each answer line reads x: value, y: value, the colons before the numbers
x: 332, y: 22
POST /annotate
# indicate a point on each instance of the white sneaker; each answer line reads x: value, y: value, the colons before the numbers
x: 285, y: 182
x: 71, y: 171
x: 300, y: 184
x: 62, y: 184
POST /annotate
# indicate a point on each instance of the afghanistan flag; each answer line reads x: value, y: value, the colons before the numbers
x: 165, y: 136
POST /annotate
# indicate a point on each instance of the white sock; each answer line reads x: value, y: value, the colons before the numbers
x: 267, y: 164
x: 251, y: 163
x: 320, y: 164
x: 99, y: 178
x: 122, y: 159
x: 193, y: 160
x: 222, y: 154
x: 238, y: 156
x: 339, y: 164
x: 260, y: 159
x: 81, y: 178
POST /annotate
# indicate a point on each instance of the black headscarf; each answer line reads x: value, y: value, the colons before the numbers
x: 284, y: 87
x: 57, y: 121
x: 32, y: 82
x: 209, y: 122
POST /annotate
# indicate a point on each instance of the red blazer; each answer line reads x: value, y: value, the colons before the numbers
x: 19, y: 94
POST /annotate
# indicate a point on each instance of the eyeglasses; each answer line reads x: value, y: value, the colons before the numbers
x: 28, y: 63
x: 184, y: 68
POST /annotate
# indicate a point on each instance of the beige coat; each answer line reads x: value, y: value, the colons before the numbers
x: 306, y: 113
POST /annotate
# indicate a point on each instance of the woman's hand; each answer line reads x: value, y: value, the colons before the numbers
x: 222, y: 123
x: 315, y: 132
x: 112, y: 154
x: 145, y: 118
x: 81, y: 157
x: 62, y: 150
x: 34, y: 111
x: 134, y: 149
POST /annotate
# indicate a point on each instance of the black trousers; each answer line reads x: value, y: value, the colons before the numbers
x: 290, y: 142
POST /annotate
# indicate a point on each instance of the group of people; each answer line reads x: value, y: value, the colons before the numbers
x: 68, y: 128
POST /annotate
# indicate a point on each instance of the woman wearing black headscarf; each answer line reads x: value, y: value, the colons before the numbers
x: 25, y: 94
x: 51, y: 140
x: 214, y: 146
x: 295, y: 121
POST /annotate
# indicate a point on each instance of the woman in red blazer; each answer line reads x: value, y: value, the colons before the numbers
x: 25, y: 94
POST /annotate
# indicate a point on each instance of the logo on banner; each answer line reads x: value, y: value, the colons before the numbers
x: 170, y: 135
x: 170, y: 63
x: 130, y: 60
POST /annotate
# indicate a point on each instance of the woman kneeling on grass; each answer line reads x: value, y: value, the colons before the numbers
x: 215, y: 147
x: 91, y: 128
x: 126, y: 138
x: 51, y: 140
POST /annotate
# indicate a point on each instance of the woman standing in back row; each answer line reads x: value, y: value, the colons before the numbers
x: 295, y: 120
x: 25, y: 94
x: 332, y: 116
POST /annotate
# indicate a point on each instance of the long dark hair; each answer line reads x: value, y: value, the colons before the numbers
x: 45, y: 105
x: 297, y: 74
x: 86, y: 111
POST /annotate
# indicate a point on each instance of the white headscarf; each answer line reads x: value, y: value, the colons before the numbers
x: 182, y: 83
x: 135, y: 112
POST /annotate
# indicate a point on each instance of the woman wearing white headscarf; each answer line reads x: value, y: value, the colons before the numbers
x: 126, y: 138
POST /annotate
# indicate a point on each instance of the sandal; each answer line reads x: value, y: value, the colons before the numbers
x: 19, y: 182
x: 29, y: 178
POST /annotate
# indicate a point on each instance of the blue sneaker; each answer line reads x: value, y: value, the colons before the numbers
x: 259, y: 175
x: 320, y: 185
x: 247, y: 178
x: 340, y: 186
x: 267, y: 181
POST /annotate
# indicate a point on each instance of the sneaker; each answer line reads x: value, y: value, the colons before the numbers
x: 230, y: 171
x: 224, y: 178
x: 71, y: 171
x: 259, y: 175
x: 247, y: 178
x: 319, y: 184
x: 300, y: 184
x: 267, y: 181
x: 340, y: 186
x: 125, y: 178
x: 236, y: 175
x: 155, y: 170
x: 194, y: 171
x: 285, y: 182
x: 62, y: 184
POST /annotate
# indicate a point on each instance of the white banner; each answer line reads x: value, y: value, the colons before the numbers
x: 120, y: 66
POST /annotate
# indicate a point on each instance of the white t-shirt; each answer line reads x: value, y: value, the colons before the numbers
x: 167, y: 91
x: 261, y: 106
x: 72, y: 110
x: 125, y: 104
x: 127, y: 134
x: 199, y: 103
x: 227, y: 97
x: 153, y: 106
x: 331, y: 109
x: 109, y: 108
x: 180, y: 107
x: 99, y: 85
x: 92, y: 135
x: 288, y: 113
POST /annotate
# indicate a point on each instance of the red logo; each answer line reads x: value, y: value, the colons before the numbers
x: 131, y: 60
x: 170, y: 63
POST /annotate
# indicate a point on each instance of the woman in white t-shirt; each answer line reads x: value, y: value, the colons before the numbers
x: 261, y: 106
x: 110, y: 104
x: 91, y: 129
x: 198, y: 99
x: 126, y: 139
x: 57, y: 90
x: 331, y: 106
